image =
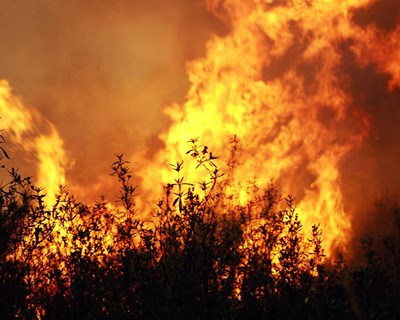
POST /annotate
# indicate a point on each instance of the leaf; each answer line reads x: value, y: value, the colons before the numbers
x: 212, y: 157
x: 4, y: 152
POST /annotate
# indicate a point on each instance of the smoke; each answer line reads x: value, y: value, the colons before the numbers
x: 371, y: 174
x: 101, y: 71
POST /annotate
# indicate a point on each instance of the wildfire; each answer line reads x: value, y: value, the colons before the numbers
x: 276, y: 83
x: 271, y: 100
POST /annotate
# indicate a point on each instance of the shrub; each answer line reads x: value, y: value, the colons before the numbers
x: 202, y: 257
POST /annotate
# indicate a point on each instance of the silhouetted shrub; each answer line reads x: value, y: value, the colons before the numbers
x: 202, y: 257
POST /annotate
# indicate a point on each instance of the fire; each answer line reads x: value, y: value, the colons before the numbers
x: 38, y: 137
x: 276, y: 83
x: 272, y: 100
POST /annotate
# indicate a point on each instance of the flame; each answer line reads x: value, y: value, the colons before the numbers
x: 38, y: 138
x: 276, y: 82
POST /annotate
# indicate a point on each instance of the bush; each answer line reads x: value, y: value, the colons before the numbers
x: 201, y: 258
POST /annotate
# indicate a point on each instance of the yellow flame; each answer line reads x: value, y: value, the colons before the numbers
x: 38, y: 137
x: 274, y: 81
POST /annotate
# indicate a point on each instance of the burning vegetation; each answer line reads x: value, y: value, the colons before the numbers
x: 201, y: 255
x: 290, y: 97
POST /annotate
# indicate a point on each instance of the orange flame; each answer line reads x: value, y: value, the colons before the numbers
x: 38, y: 137
x: 275, y: 82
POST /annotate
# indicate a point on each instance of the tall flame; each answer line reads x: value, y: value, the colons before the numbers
x: 276, y: 82
x: 38, y: 137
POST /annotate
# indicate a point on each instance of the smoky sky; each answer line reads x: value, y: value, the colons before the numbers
x: 102, y: 71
